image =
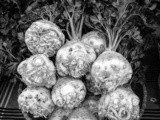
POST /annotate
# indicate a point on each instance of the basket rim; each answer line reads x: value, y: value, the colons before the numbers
x: 144, y: 101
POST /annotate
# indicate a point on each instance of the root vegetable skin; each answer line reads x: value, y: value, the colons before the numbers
x: 96, y: 40
x: 68, y: 93
x: 111, y: 70
x: 60, y: 114
x: 92, y: 85
x: 37, y: 101
x: 74, y: 59
x: 37, y: 70
x: 117, y: 27
x: 91, y: 104
x: 44, y: 37
x: 81, y: 114
x: 121, y: 104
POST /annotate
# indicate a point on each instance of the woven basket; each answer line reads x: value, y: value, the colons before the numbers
x: 141, y: 91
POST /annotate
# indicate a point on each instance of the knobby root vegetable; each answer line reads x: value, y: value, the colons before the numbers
x: 121, y: 104
x: 92, y: 85
x: 74, y: 59
x: 68, y: 92
x: 60, y: 114
x: 111, y: 70
x: 81, y: 114
x: 44, y: 37
x: 91, y: 103
x: 95, y: 39
x: 37, y: 101
x: 37, y: 70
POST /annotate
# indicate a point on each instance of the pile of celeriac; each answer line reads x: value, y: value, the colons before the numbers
x: 86, y: 80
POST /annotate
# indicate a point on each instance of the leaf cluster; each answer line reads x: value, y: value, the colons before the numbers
x: 129, y: 20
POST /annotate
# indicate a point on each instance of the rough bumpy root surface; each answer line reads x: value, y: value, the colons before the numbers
x: 37, y: 70
x: 121, y: 104
x: 81, y: 114
x: 74, y: 59
x: 91, y: 103
x: 92, y: 85
x: 60, y: 114
x: 44, y: 37
x: 96, y: 40
x: 111, y: 70
x: 68, y: 92
x: 37, y: 101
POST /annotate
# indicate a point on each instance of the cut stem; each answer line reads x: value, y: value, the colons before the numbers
x: 70, y: 21
x: 77, y: 28
x: 116, y: 38
x: 67, y: 28
x: 109, y: 37
x: 81, y: 27
x: 50, y: 17
x: 9, y: 53
x: 108, y: 31
x: 118, y: 41
x: 72, y: 28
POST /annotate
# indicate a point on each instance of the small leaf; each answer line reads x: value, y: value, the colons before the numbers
x: 20, y: 36
x: 157, y: 30
x: 147, y: 1
x: 70, y: 9
x: 12, y: 23
x: 133, y: 53
x: 11, y: 68
x: 121, y: 5
x: 153, y: 7
x: 65, y: 14
x: 141, y: 56
x: 78, y: 4
x: 70, y: 2
x: 3, y: 31
x: 1, y: 42
x: 99, y: 17
x: 137, y: 64
x: 94, y: 19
